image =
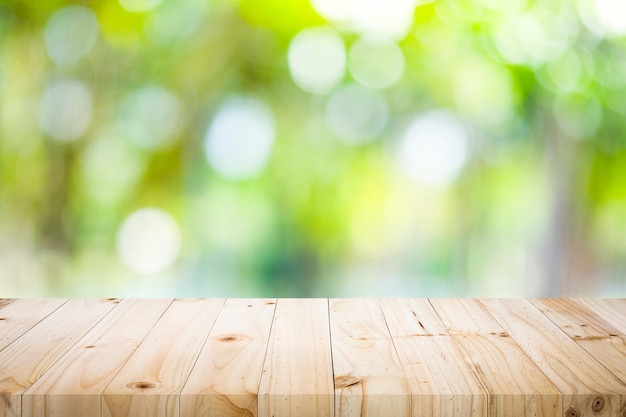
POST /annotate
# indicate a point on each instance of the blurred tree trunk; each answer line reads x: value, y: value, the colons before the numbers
x: 568, y: 262
x: 558, y: 159
x: 55, y: 236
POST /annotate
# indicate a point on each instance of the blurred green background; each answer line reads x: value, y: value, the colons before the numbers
x: 331, y: 148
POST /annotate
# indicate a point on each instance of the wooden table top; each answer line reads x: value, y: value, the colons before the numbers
x: 313, y: 357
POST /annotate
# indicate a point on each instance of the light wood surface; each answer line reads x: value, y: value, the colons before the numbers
x: 75, y: 384
x: 591, y: 331
x: 612, y: 310
x: 587, y: 387
x: 25, y: 361
x: 312, y: 357
x: 367, y: 372
x: 225, y: 379
x: 297, y: 377
x: 441, y: 381
x: 153, y: 377
x: 516, y: 386
x: 17, y: 317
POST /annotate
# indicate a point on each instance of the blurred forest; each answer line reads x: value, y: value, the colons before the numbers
x: 331, y: 148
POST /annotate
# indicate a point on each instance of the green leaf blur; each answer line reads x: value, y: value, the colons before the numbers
x: 331, y: 148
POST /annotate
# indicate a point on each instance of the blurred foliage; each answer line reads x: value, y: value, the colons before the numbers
x: 263, y: 155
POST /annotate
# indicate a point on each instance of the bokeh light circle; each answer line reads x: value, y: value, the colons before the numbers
x: 391, y: 18
x: 148, y: 241
x: 70, y: 34
x: 611, y: 14
x: 149, y: 116
x: 531, y: 37
x: 239, y: 140
x: 433, y: 149
x: 317, y: 60
x: 110, y: 167
x: 65, y: 110
x: 376, y: 62
x: 355, y: 114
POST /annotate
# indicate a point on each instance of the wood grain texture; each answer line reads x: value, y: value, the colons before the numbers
x: 151, y: 380
x: 297, y: 376
x: 74, y: 385
x: 587, y: 387
x: 440, y: 380
x: 369, y: 380
x: 24, y: 361
x: 597, y: 336
x: 225, y: 380
x: 516, y: 386
x: 312, y: 357
x: 6, y: 301
x: 20, y: 315
x: 613, y: 310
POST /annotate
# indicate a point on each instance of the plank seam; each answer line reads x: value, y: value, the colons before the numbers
x: 199, y: 353
x: 587, y: 317
x: 395, y: 349
x: 78, y: 339
x: 35, y: 324
x: 590, y: 315
x: 460, y: 350
x: 133, y: 352
x: 575, y: 341
x: 267, y: 347
x: 332, y: 361
x: 524, y: 350
x: 563, y: 405
x: 585, y: 302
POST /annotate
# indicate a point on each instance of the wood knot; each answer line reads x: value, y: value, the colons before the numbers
x: 141, y: 385
x: 89, y: 347
x: 3, y: 318
x: 345, y: 381
x: 598, y: 404
x: 5, y: 396
x: 228, y: 339
x: 571, y: 412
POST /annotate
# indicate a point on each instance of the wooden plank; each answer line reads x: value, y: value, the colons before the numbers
x: 74, y: 385
x: 440, y: 379
x: 225, y: 380
x: 613, y: 310
x: 19, y: 316
x: 150, y: 382
x: 516, y: 386
x: 297, y: 376
x: 598, y: 337
x: 24, y: 361
x: 369, y: 380
x: 587, y: 387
